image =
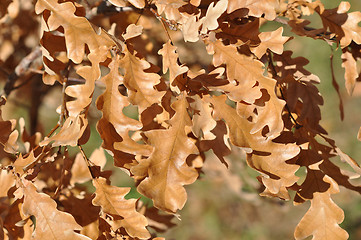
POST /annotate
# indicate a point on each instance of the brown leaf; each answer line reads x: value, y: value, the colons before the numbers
x: 111, y: 200
x: 140, y: 84
x: 203, y: 123
x: 4, y: 6
x: 166, y: 168
x: 112, y: 103
x: 245, y: 33
x: 7, y: 181
x: 256, y: 7
x: 69, y: 134
x: 273, y: 41
x: 21, y: 163
x: 323, y: 217
x: 132, y: 31
x: 209, y: 22
x: 264, y: 155
x: 80, y: 171
x: 50, y: 222
x: 251, y: 83
x: 170, y: 62
x: 351, y: 73
x: 62, y: 14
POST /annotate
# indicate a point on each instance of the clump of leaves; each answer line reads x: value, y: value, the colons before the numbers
x: 249, y: 92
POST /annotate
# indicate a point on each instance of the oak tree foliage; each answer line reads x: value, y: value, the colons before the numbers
x: 249, y: 92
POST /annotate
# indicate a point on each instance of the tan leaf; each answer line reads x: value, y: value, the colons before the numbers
x: 137, y: 3
x: 141, y: 85
x: 256, y: 7
x: 251, y: 82
x: 272, y: 41
x: 80, y: 171
x: 112, y: 103
x: 7, y: 180
x: 170, y: 62
x: 132, y: 31
x: 265, y: 155
x: 351, y: 27
x: 50, y: 222
x: 213, y: 13
x: 111, y: 200
x: 77, y: 30
x: 359, y: 134
x: 323, y: 217
x: 167, y: 170
x: 203, y: 123
x: 118, y: 3
x: 72, y: 129
x: 351, y: 73
x: 21, y: 163
x: 83, y: 92
x: 170, y: 8
x: 190, y: 28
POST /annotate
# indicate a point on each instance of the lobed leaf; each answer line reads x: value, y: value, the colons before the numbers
x: 111, y: 200
x: 50, y: 222
x: 166, y: 169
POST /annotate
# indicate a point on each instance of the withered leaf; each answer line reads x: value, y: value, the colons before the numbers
x: 50, y: 222
x: 170, y: 62
x: 63, y: 15
x: 273, y: 159
x: 140, y: 84
x: 256, y: 7
x: 72, y: 129
x: 112, y: 103
x: 111, y: 200
x: 166, y: 168
x: 273, y: 41
x: 323, y: 217
x: 248, y: 73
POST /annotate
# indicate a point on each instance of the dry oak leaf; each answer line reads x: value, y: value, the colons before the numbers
x: 118, y: 3
x: 203, y: 123
x: 323, y: 217
x: 170, y: 62
x: 264, y: 155
x: 112, y: 103
x: 248, y: 73
x: 213, y: 13
x: 170, y: 8
x: 132, y: 31
x: 344, y: 24
x: 273, y: 41
x: 71, y: 131
x: 77, y: 30
x: 111, y: 200
x: 21, y: 163
x: 166, y: 167
x: 351, y: 73
x: 80, y: 171
x: 190, y: 28
x: 50, y: 222
x: 7, y: 180
x: 140, y: 84
x: 351, y: 27
x: 121, y: 3
x: 257, y: 8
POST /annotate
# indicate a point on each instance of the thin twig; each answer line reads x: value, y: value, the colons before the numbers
x: 86, y: 160
x: 21, y: 69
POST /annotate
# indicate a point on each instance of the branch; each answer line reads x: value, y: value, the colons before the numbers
x: 21, y: 69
